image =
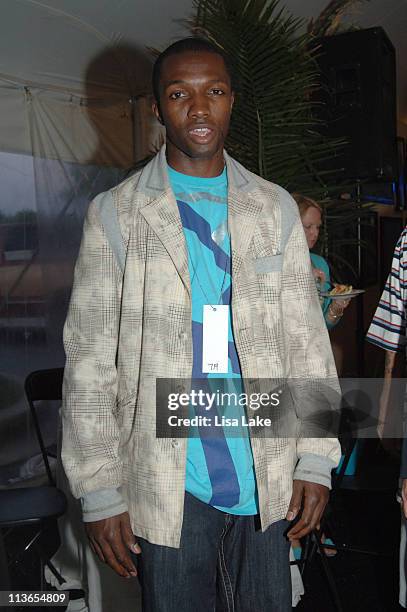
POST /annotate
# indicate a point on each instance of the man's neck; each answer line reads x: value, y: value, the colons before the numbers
x: 205, y: 168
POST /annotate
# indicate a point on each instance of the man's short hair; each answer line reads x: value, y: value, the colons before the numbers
x: 185, y: 45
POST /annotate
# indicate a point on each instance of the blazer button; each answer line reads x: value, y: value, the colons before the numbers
x: 174, y: 443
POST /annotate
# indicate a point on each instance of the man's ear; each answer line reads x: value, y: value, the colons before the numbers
x: 156, y: 111
x: 232, y: 97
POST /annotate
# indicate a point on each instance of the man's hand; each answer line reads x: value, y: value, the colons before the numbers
x: 313, y: 497
x: 343, y: 303
x: 319, y: 275
x: 111, y: 539
x: 404, y: 496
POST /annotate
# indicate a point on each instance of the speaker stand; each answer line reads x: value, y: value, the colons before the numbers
x: 360, y: 331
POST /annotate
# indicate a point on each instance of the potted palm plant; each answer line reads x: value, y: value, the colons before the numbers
x: 274, y: 131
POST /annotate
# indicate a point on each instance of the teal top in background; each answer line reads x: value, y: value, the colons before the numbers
x: 320, y: 263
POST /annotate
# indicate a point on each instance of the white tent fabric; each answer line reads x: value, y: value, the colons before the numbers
x: 52, y: 42
x: 115, y: 130
x: 79, y: 130
x: 82, y: 62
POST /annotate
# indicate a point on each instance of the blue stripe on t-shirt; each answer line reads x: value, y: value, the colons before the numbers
x: 194, y: 222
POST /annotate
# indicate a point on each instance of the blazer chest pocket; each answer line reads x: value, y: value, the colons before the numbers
x: 268, y: 275
x: 264, y: 265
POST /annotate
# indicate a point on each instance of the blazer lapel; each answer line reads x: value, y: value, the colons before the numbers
x: 243, y: 211
x: 162, y: 215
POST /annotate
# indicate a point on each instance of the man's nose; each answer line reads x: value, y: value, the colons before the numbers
x: 199, y: 107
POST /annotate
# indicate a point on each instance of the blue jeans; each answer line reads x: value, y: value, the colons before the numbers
x: 224, y: 563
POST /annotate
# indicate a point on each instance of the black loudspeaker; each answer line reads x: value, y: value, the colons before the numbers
x: 358, y: 98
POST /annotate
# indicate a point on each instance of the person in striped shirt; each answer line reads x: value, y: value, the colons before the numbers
x: 388, y: 327
x: 388, y: 331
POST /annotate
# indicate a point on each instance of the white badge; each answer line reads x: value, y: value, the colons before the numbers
x: 215, y: 339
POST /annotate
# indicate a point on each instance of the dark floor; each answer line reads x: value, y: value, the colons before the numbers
x: 363, y: 518
x: 368, y: 519
x: 364, y: 582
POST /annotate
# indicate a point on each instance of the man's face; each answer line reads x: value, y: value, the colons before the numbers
x: 195, y: 104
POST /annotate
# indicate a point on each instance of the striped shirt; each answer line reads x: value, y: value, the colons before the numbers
x: 388, y: 327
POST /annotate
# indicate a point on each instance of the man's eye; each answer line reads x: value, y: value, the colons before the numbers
x: 217, y: 92
x: 176, y: 94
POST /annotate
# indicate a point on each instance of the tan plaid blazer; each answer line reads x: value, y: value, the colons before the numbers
x: 124, y: 330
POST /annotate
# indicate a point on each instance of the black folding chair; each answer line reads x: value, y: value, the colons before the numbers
x: 44, y: 385
x: 37, y: 506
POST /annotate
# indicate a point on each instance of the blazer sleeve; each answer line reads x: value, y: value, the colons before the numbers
x: 311, y: 362
x: 90, y: 431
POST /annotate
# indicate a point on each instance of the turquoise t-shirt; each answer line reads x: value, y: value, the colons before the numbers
x: 317, y: 261
x: 219, y: 468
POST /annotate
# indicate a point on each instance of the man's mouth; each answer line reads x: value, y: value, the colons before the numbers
x: 201, y: 133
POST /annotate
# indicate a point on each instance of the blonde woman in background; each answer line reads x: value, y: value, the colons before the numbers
x: 311, y: 217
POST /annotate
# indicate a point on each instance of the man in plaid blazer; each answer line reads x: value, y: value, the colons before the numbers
x: 202, y: 536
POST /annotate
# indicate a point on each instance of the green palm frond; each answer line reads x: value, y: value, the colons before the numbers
x: 329, y: 21
x: 274, y: 131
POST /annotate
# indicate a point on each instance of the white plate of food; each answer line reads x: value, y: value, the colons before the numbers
x: 341, y: 292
